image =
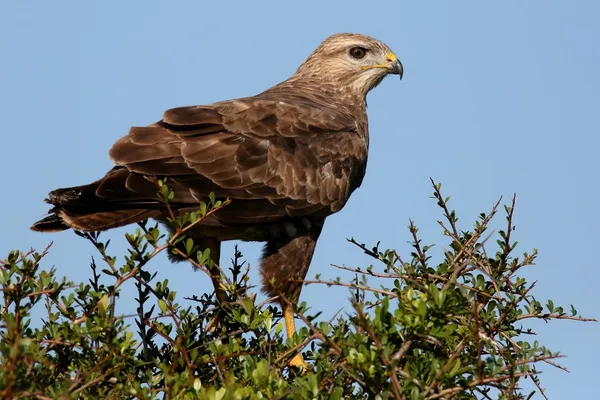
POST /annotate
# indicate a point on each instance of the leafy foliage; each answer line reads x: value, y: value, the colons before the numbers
x: 451, y: 329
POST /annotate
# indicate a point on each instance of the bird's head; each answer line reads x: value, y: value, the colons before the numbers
x: 351, y: 62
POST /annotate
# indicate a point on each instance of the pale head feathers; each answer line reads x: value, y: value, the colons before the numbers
x: 332, y: 63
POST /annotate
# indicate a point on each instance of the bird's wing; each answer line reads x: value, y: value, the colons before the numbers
x: 281, y: 158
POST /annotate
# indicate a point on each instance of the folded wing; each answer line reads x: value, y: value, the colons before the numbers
x: 273, y: 158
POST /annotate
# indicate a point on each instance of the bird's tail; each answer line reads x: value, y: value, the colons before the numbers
x: 119, y: 198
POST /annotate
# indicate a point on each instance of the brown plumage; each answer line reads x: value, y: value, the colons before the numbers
x: 287, y: 158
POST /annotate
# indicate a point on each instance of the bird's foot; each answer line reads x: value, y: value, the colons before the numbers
x: 298, y: 362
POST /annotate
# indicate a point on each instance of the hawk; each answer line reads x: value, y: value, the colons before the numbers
x: 287, y: 158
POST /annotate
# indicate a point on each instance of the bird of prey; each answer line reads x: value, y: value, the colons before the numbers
x: 287, y: 158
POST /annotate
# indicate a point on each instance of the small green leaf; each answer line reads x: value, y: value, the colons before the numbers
x: 573, y: 310
x: 189, y: 245
x: 220, y: 393
x: 197, y: 385
x: 162, y: 305
x: 103, y: 303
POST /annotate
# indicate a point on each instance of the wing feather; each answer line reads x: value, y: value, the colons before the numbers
x: 278, y: 158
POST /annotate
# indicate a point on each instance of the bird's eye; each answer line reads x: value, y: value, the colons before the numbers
x: 358, y: 52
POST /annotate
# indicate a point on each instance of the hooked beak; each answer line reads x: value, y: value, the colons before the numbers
x: 396, y: 68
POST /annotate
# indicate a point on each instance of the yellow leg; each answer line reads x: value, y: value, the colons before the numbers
x: 290, y: 328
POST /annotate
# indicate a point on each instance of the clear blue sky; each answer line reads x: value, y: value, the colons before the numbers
x: 496, y: 99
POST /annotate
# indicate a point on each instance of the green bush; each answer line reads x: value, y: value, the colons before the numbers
x: 433, y: 330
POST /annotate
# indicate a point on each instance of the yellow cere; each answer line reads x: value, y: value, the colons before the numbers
x: 390, y: 56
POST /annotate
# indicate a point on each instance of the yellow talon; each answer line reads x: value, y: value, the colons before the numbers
x: 298, y: 362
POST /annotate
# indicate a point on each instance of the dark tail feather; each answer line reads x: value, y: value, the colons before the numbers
x: 98, y: 221
x: 119, y: 198
x: 52, y: 223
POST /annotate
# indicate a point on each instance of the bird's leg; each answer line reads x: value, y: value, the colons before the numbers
x: 213, y: 267
x: 216, y: 278
x: 215, y: 275
x: 284, y: 265
x: 221, y: 295
x: 290, y: 329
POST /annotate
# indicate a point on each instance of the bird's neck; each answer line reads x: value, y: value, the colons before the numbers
x: 323, y: 93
